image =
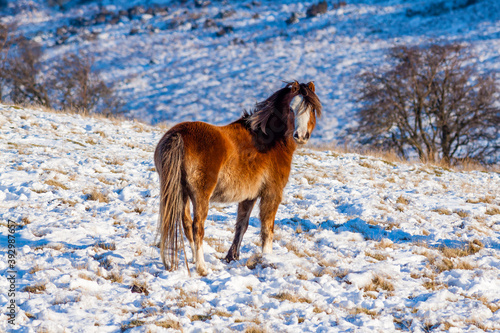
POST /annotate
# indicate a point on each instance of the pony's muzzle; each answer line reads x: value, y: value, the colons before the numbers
x: 301, y: 139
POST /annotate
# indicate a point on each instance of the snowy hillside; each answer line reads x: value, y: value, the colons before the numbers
x: 174, y: 61
x: 361, y: 243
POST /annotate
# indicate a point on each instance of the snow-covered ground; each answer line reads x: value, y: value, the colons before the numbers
x: 362, y: 244
x: 171, y: 65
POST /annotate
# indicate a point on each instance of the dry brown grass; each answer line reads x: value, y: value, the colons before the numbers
x: 255, y: 329
x: 36, y: 289
x: 169, y: 324
x: 442, y: 211
x: 95, y: 195
x: 291, y: 297
x: 140, y: 287
x: 114, y: 277
x: 105, y: 181
x: 486, y: 199
x: 469, y: 249
x: 491, y: 306
x: 463, y: 214
x: 360, y: 310
x: 493, y: 211
x: 379, y: 283
x: 402, y: 200
x: 55, y: 183
x: 35, y: 269
x: 217, y: 244
x: 200, y: 317
x: 191, y: 299
x: 132, y: 324
x: 376, y: 255
x: 114, y: 161
x: 295, y: 249
x: 106, y: 246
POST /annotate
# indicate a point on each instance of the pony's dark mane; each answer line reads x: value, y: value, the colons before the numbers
x: 270, y: 120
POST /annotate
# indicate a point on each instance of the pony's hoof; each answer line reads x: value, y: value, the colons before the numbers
x: 230, y: 257
x: 202, y: 271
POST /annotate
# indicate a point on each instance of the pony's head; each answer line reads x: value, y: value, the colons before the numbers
x: 305, y: 106
x: 289, y: 112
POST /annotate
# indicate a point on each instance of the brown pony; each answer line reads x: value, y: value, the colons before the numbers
x: 240, y: 162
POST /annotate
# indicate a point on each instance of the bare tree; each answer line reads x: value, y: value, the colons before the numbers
x: 21, y: 67
x: 80, y: 88
x: 433, y: 101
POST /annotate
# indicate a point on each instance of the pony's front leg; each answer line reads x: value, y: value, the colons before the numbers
x: 200, y: 215
x: 244, y: 211
x: 268, y: 208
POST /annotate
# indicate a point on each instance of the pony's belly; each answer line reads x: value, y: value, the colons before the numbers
x: 236, y: 190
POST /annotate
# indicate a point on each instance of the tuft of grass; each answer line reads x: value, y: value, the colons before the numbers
x: 486, y: 199
x: 140, y: 287
x: 95, y: 195
x: 216, y: 243
x: 402, y: 200
x: 132, y: 324
x: 191, y: 299
x: 106, y: 246
x: 442, y: 211
x: 287, y: 296
x: 39, y: 191
x: 200, y: 317
x: 469, y: 249
x: 255, y: 329
x: 55, y: 183
x: 221, y: 313
x: 35, y: 269
x: 169, y: 324
x: 257, y: 259
x: 36, y: 289
x: 295, y: 249
x: 493, y: 211
x: 463, y: 214
x: 114, y: 161
x: 379, y: 283
x: 114, y: 277
x: 360, y: 310
x: 317, y: 310
x: 377, y: 256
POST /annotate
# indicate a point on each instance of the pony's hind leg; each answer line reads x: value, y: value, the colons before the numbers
x: 200, y: 206
x: 268, y: 208
x: 187, y: 223
x: 244, y: 211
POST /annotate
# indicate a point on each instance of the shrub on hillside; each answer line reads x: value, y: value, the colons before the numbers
x: 21, y: 68
x: 72, y: 83
x: 432, y: 101
x: 77, y: 86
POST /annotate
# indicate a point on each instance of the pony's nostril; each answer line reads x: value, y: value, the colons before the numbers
x: 307, y: 136
x: 296, y: 135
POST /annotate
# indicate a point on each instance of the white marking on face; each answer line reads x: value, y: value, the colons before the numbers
x: 301, y: 117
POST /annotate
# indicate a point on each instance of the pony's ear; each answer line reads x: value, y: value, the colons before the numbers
x: 295, y: 87
x: 311, y: 86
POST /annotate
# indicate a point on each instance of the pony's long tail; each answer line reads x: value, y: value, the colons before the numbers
x: 169, y: 155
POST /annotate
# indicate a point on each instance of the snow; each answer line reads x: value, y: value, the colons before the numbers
x: 347, y: 224
x: 341, y: 227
